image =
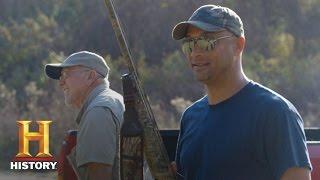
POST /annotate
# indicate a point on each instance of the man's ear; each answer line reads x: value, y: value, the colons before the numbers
x: 92, y: 75
x: 240, y: 44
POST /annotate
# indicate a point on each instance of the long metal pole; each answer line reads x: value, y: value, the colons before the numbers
x: 154, y: 149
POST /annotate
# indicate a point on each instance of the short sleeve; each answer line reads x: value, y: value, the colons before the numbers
x: 284, y: 140
x: 178, y: 149
x: 97, y: 137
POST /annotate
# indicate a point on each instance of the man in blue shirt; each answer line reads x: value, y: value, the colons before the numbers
x: 240, y: 129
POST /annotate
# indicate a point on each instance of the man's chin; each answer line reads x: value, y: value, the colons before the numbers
x: 202, y: 79
x: 69, y: 104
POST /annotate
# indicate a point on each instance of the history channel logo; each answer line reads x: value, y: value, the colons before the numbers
x: 24, y: 160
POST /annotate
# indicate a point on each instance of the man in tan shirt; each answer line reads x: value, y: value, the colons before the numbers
x: 83, y: 77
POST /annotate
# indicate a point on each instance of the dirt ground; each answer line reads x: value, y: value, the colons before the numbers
x: 27, y: 176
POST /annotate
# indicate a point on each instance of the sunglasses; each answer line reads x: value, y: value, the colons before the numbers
x: 65, y: 74
x: 203, y: 42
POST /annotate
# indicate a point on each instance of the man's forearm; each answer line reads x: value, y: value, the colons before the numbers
x: 296, y: 174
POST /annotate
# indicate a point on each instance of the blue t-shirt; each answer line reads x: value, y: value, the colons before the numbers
x: 255, y: 134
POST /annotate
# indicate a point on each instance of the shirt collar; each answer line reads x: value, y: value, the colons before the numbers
x: 94, y: 93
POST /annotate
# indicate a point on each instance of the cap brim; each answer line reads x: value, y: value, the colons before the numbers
x: 53, y: 71
x: 180, y: 30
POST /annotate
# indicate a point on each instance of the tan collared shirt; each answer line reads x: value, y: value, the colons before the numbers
x: 98, y: 135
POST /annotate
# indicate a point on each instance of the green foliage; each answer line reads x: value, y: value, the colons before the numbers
x: 281, y: 45
x: 24, y: 46
x: 282, y: 52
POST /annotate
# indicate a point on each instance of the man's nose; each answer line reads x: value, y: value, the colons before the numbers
x: 61, y: 82
x: 196, y: 52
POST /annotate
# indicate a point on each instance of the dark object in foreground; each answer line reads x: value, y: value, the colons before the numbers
x: 153, y: 147
x: 65, y: 170
x: 131, y: 138
x: 170, y: 138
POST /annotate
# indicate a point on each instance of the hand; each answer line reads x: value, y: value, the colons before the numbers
x: 173, y: 168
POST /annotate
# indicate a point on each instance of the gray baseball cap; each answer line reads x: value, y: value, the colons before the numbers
x: 210, y: 18
x: 82, y: 58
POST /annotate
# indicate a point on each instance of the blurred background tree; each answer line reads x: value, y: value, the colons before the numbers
x: 282, y: 52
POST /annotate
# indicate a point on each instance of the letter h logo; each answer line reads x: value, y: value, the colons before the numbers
x: 25, y: 136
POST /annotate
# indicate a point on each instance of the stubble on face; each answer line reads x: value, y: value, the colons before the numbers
x: 73, y: 89
x: 208, y: 66
x: 68, y: 99
x: 74, y: 96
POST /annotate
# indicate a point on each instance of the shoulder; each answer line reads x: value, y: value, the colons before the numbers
x: 273, y: 106
x: 109, y: 99
x: 110, y: 96
x: 197, y: 106
x: 194, y: 111
x: 269, y: 99
x: 98, y: 116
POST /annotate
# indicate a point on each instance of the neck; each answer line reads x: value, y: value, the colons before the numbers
x: 89, y: 89
x: 226, y: 86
